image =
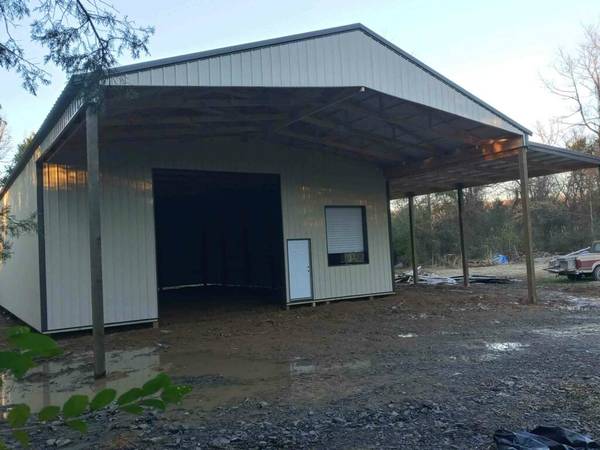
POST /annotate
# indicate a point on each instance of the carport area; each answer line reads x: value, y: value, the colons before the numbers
x: 206, y: 218
x: 223, y: 255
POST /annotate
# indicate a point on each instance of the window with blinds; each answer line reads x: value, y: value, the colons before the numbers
x: 346, y: 235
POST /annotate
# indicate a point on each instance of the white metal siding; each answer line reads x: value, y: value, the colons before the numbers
x: 129, y: 279
x: 351, y: 58
x: 309, y: 181
x: 19, y: 275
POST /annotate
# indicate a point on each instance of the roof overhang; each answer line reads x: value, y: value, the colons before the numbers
x: 419, y: 149
x: 345, y: 90
x: 335, y: 58
x: 484, y: 167
x: 178, y: 64
x: 355, y: 122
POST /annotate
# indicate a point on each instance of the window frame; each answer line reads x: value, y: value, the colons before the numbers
x: 365, y: 234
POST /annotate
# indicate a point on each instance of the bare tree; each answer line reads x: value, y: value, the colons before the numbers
x: 577, y: 80
x: 5, y: 142
x: 11, y: 159
x: 551, y: 132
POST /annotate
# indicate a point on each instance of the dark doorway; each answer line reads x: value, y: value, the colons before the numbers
x: 219, y: 237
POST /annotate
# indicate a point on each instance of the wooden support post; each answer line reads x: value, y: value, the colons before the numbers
x: 390, y: 231
x: 592, y: 221
x: 41, y: 235
x: 594, y: 236
x: 461, y: 231
x: 94, y: 188
x: 413, y: 252
x: 524, y: 176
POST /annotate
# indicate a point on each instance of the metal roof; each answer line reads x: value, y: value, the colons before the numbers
x: 311, y: 35
x: 71, y: 90
x: 420, y: 149
x: 486, y: 169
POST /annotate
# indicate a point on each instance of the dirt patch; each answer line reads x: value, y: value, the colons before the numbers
x: 433, y: 366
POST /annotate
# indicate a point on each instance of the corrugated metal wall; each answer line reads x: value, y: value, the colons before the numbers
x: 128, y: 263
x: 19, y: 275
x: 310, y: 181
x: 345, y: 59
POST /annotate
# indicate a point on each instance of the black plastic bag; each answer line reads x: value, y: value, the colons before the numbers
x: 543, y: 438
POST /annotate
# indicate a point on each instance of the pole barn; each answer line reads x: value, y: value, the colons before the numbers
x: 261, y: 169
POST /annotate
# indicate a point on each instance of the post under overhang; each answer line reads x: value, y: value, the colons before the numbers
x: 413, y: 252
x: 94, y: 191
x: 461, y: 232
x: 390, y: 232
x: 527, y: 237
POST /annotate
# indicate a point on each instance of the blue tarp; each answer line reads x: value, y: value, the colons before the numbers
x: 500, y: 259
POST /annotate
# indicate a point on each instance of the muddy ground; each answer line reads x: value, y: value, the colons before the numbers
x: 431, y: 367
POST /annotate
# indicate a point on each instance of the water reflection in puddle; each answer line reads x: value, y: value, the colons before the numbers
x: 488, y: 351
x: 504, y: 346
x: 570, y: 331
x: 498, y: 349
x: 304, y: 368
x: 53, y: 382
x: 577, y: 303
x: 216, y: 379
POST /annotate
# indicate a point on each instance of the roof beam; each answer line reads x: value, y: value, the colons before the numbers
x: 178, y: 100
x: 400, y: 122
x: 378, y: 141
x: 487, y: 152
x: 363, y: 152
x: 143, y: 132
x: 385, y: 117
x: 187, y: 117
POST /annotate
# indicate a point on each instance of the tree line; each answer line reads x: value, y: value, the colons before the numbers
x: 564, y: 208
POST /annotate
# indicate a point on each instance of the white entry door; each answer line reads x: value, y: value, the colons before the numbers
x: 299, y: 269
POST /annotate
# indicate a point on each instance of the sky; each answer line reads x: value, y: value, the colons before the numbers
x: 496, y: 49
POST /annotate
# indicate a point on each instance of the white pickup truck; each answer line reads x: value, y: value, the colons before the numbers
x: 584, y: 262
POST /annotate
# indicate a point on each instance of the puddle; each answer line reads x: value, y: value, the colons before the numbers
x: 216, y: 379
x: 504, y: 346
x: 53, y: 382
x: 491, y: 351
x: 572, y: 331
x: 303, y: 368
x: 581, y: 303
x: 568, y: 302
x: 498, y: 349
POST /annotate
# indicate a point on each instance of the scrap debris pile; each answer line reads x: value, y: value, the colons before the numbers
x: 424, y: 277
x: 433, y: 279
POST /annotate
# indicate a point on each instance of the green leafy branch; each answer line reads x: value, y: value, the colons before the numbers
x: 29, y: 347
